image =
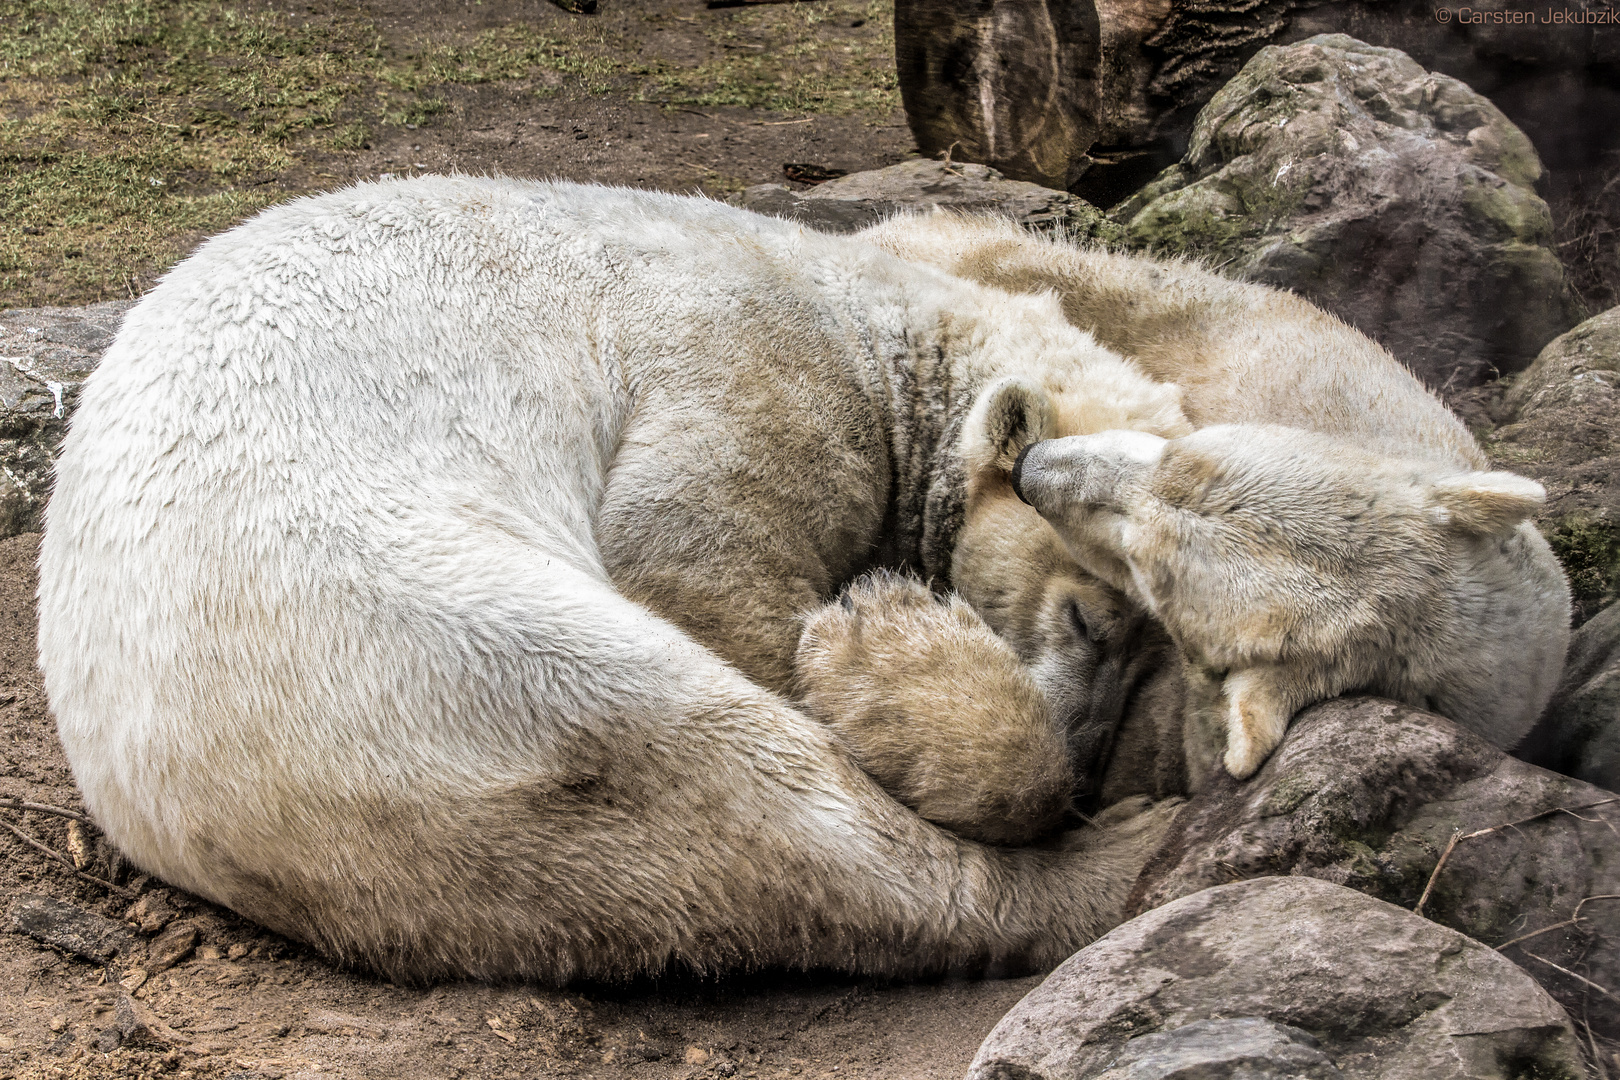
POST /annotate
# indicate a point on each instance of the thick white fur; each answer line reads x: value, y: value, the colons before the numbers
x: 424, y: 564
x: 1328, y: 528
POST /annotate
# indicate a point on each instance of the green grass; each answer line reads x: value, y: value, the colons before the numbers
x: 130, y: 128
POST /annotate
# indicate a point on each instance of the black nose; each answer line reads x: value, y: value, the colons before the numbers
x: 1018, y: 473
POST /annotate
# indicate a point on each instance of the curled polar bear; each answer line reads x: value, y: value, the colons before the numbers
x: 424, y: 570
x: 425, y: 574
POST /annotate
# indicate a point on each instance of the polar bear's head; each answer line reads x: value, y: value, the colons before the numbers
x: 1290, y: 567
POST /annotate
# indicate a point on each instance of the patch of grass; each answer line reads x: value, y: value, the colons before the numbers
x: 134, y: 126
x: 131, y: 128
x: 780, y: 58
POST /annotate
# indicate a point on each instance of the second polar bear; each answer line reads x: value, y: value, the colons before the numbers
x: 1331, y: 527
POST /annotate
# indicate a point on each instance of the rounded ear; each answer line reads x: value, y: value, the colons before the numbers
x: 1010, y: 415
x: 1485, y: 503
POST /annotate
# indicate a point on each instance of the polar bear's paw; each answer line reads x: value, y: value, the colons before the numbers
x: 937, y: 708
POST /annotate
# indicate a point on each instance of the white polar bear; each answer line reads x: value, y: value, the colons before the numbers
x: 1331, y: 526
x: 425, y: 564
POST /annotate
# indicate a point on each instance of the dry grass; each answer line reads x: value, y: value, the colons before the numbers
x: 133, y: 127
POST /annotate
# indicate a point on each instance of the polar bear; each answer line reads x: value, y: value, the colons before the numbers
x: 425, y: 572
x: 1329, y: 527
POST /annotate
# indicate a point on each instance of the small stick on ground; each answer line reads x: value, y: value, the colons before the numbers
x: 1574, y: 918
x: 43, y: 808
x: 52, y: 853
x: 1578, y: 978
x: 1456, y: 834
x: 1591, y: 1041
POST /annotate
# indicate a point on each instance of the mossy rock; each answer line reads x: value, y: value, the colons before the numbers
x: 1396, y: 198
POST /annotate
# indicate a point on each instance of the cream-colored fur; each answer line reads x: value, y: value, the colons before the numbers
x: 424, y: 575
x: 938, y: 709
x: 1329, y: 528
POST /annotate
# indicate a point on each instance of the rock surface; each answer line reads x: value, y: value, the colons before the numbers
x: 1159, y: 62
x: 1007, y: 83
x: 72, y: 929
x: 1397, y: 199
x: 1559, y: 426
x: 1579, y: 734
x: 45, y: 353
x: 1367, y: 793
x: 1281, y: 977
x: 1252, y: 1048
x: 860, y: 199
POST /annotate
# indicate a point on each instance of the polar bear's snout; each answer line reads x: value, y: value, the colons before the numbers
x: 1086, y: 471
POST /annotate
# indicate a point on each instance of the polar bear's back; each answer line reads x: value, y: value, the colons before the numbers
x: 405, y: 348
x: 367, y: 433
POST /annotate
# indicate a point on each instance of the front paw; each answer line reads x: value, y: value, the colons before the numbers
x: 1259, y: 703
x: 937, y: 708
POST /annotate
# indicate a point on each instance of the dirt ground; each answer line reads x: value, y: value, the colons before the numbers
x: 248, y: 1004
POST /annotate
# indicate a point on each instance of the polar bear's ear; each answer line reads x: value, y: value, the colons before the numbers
x: 1485, y: 503
x: 1010, y: 415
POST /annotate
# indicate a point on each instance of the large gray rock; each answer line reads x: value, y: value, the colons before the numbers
x: 1007, y: 83
x: 1158, y: 63
x: 860, y: 199
x: 1282, y: 977
x: 1397, y: 199
x: 45, y: 353
x: 1559, y: 426
x: 1368, y: 793
x: 1579, y: 734
x: 1161, y: 62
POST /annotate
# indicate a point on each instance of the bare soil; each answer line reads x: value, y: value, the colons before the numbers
x: 249, y: 1004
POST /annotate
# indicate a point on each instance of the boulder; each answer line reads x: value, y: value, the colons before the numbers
x: 1558, y: 426
x: 1368, y: 794
x: 1397, y: 199
x: 1579, y: 734
x: 860, y: 199
x: 1159, y: 62
x: 45, y: 353
x: 1007, y: 83
x: 1281, y: 977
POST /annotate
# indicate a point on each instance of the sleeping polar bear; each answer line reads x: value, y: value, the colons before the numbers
x: 423, y: 578
x: 425, y: 570
x: 1330, y: 526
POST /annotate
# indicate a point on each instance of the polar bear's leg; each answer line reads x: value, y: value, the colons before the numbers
x: 937, y: 708
x: 543, y: 779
